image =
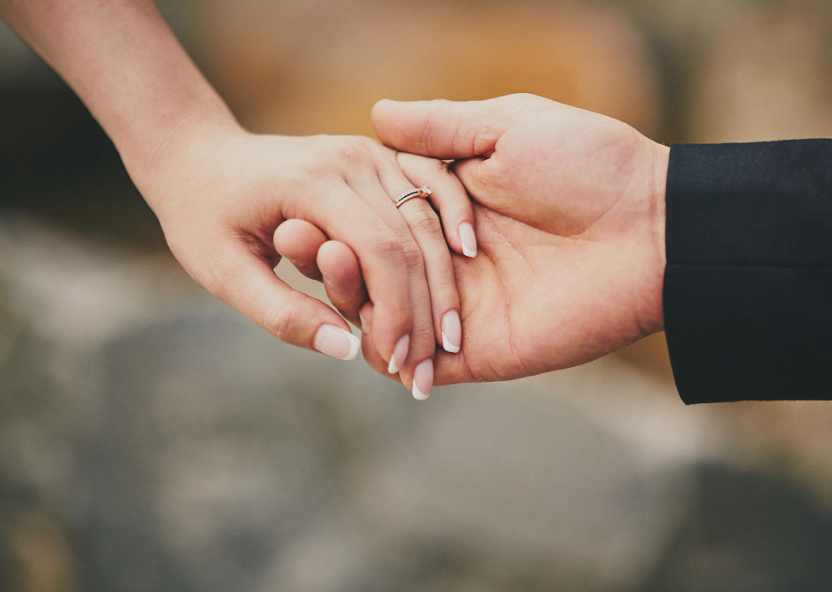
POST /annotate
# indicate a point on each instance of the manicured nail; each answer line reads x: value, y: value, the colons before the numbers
x: 451, y: 332
x: 364, y: 326
x: 336, y: 342
x: 468, y: 240
x: 423, y: 380
x: 399, y: 355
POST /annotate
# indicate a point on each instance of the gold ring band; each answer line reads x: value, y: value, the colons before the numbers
x: 422, y: 192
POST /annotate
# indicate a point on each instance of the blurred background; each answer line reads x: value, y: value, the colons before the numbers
x: 153, y: 439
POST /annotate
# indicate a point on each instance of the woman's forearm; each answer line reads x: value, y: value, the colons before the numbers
x: 123, y: 61
x: 220, y: 193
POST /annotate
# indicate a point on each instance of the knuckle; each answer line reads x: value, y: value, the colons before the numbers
x: 424, y: 222
x: 444, y: 287
x: 312, y: 169
x: 388, y: 247
x: 399, y: 314
x: 353, y: 153
x: 424, y: 334
x: 430, y: 127
x: 413, y: 256
x: 281, y: 320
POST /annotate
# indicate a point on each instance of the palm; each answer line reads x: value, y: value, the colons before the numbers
x: 561, y: 278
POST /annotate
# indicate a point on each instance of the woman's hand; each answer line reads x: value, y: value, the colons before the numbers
x: 221, y: 192
x: 334, y: 263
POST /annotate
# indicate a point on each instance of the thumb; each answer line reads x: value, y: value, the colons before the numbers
x: 447, y: 129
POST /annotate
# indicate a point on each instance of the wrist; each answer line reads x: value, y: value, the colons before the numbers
x: 148, y: 156
x: 660, y: 163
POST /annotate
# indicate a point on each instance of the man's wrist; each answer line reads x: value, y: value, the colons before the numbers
x: 660, y: 163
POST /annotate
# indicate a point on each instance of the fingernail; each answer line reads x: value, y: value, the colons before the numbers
x: 468, y: 240
x: 364, y: 326
x: 399, y: 355
x: 423, y: 380
x: 336, y: 342
x: 451, y: 332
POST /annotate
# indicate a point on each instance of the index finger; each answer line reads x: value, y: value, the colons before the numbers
x: 250, y: 285
x: 347, y: 218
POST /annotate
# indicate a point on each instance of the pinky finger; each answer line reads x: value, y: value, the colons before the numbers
x: 368, y: 347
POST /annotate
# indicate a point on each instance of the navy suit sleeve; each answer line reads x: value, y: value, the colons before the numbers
x: 748, y: 283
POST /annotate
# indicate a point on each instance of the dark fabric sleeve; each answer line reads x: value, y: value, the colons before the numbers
x: 748, y: 283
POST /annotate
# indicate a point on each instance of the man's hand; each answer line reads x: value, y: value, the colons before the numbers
x: 570, y: 223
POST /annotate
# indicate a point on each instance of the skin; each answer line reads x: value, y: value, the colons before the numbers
x: 569, y: 208
x: 223, y: 194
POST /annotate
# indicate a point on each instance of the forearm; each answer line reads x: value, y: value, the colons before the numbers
x: 122, y: 60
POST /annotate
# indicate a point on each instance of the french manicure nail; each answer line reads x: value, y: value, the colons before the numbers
x: 336, y: 342
x: 364, y: 326
x: 451, y: 332
x: 399, y: 355
x: 468, y: 239
x: 423, y: 380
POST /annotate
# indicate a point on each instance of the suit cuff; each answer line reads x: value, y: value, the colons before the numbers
x: 748, y: 282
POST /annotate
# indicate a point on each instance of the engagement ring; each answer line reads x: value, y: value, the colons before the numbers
x: 422, y: 192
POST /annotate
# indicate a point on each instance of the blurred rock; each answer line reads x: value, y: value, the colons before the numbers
x: 745, y: 531
x: 176, y: 446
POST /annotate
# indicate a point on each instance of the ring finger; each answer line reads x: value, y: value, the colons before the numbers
x: 427, y: 231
